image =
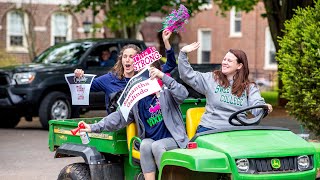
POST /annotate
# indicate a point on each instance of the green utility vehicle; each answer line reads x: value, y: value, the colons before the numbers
x: 245, y: 151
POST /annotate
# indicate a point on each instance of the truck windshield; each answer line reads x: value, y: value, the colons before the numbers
x: 63, y: 53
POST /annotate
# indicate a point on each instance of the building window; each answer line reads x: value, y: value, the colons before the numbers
x: 17, y: 22
x: 235, y: 23
x: 204, y: 51
x: 270, y: 62
x: 61, y: 28
x: 207, y: 5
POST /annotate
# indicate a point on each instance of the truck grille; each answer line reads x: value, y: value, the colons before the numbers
x: 263, y: 165
x: 4, y: 80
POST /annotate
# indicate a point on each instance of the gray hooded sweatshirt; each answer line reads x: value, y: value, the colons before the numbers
x: 171, y: 96
x: 221, y: 103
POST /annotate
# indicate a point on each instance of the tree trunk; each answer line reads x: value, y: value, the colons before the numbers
x: 127, y: 32
x: 277, y: 14
x: 30, y: 38
x: 132, y: 31
x: 106, y: 8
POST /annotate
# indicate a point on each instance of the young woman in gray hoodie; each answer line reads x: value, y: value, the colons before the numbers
x: 227, y: 90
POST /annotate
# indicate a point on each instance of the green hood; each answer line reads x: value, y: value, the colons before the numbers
x: 256, y: 143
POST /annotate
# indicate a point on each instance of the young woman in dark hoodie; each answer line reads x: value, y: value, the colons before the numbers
x: 123, y: 70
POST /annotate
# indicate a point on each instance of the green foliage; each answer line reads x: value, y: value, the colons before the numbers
x: 129, y: 13
x: 244, y: 5
x: 270, y: 97
x: 7, y: 59
x: 299, y: 58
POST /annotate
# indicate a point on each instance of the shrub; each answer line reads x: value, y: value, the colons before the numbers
x: 270, y: 97
x: 299, y: 64
x: 7, y: 59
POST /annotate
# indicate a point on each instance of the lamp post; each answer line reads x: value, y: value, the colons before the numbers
x: 86, y: 27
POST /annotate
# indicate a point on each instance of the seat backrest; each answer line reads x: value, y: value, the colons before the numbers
x: 131, y: 133
x: 193, y: 120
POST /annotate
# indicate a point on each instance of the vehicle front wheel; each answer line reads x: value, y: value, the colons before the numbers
x: 9, y: 119
x: 56, y: 105
x: 75, y: 171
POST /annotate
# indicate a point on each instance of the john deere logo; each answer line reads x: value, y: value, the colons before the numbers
x: 275, y: 163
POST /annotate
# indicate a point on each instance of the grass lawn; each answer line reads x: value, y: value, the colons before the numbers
x: 270, y: 97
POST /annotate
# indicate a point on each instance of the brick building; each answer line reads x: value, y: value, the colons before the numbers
x: 238, y: 30
x: 38, y: 23
x: 50, y: 24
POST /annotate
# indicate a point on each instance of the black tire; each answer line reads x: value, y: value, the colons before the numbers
x: 56, y: 105
x: 76, y: 171
x: 9, y: 119
x: 139, y: 176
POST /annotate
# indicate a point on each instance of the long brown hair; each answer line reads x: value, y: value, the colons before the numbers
x: 240, y: 79
x: 118, y: 67
x: 157, y: 65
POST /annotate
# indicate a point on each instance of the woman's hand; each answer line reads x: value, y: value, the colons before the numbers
x: 87, y: 127
x: 154, y: 72
x: 78, y: 73
x: 190, y: 47
x: 165, y: 37
x: 269, y: 108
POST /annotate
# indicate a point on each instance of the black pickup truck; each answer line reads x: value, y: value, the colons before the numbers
x: 39, y: 89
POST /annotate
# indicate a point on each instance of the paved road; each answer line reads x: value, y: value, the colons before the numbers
x: 24, y: 152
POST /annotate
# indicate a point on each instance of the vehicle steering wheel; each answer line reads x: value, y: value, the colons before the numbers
x: 240, y: 119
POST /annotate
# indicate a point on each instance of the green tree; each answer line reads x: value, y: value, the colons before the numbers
x: 124, y: 17
x: 277, y: 12
x: 299, y: 59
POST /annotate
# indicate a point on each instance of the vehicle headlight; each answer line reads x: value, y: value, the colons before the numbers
x: 242, y: 165
x: 24, y: 78
x: 303, y: 162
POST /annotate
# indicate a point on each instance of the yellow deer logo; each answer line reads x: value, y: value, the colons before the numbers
x: 275, y: 163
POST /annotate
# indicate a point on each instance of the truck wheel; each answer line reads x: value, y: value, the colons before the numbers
x: 76, y: 171
x: 9, y: 119
x: 56, y: 105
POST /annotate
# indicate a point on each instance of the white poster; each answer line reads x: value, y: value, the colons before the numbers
x: 137, y: 88
x: 79, y: 88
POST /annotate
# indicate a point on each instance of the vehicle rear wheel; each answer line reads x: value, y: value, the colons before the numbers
x: 56, y: 105
x: 75, y: 171
x: 9, y: 119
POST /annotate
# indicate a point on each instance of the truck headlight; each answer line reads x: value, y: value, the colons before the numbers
x: 242, y: 165
x: 303, y: 162
x: 24, y: 78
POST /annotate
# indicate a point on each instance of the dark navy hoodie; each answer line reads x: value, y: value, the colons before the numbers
x: 151, y: 116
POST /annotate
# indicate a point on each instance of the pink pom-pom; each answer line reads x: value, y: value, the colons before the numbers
x: 176, y: 19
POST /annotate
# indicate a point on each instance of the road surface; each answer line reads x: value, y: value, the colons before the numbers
x: 25, y: 155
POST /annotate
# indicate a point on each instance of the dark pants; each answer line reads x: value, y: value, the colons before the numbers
x: 202, y: 129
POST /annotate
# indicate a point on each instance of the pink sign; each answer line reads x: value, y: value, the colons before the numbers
x: 145, y: 58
